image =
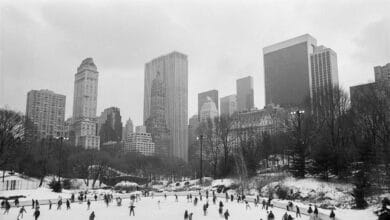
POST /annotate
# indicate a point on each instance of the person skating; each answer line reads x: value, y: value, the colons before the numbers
x: 36, y: 214
x: 226, y: 214
x: 7, y: 207
x: 310, y: 210
x: 16, y: 202
x: 165, y: 196
x: 88, y: 204
x: 50, y: 204
x: 132, y: 207
x: 176, y: 198
x: 298, y: 212
x: 195, y: 201
x: 214, y: 199
x: 185, y: 215
x: 190, y: 216
x: 315, y: 211
x: 332, y: 215
x: 36, y: 204
x: 92, y: 216
x: 226, y: 196
x: 204, y: 209
x: 231, y: 198
x: 271, y: 216
x: 285, y: 216
x: 67, y: 204
x: 95, y: 197
x: 290, y: 217
x: 247, y: 206
x: 263, y: 203
x: 21, y: 211
x: 32, y: 204
x: 59, y: 204
x: 207, y: 194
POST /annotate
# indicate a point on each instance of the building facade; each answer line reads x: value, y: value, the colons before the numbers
x: 202, y: 98
x: 141, y: 142
x: 156, y: 124
x: 324, y: 75
x: 228, y: 105
x: 382, y: 72
x: 110, y: 125
x: 46, y: 110
x: 287, y: 72
x: 173, y: 69
x: 84, y: 129
x: 208, y: 110
x: 245, y: 96
x: 128, y: 130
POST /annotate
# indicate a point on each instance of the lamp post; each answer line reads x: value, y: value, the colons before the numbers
x: 301, y: 151
x: 200, y: 138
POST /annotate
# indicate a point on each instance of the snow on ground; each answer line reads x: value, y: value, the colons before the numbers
x: 147, y: 209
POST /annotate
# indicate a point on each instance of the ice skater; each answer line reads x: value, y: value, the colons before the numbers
x: 332, y: 215
x: 32, y: 204
x: 7, y: 207
x: 37, y: 213
x: 176, y: 198
x: 16, y: 202
x: 190, y: 216
x: 204, y: 209
x: 59, y: 204
x: 226, y: 214
x: 185, y: 215
x: 315, y: 212
x: 271, y: 216
x: 132, y: 207
x: 298, y: 212
x: 88, y: 204
x: 247, y: 206
x: 21, y: 211
x: 67, y: 204
x: 50, y: 204
x: 92, y: 216
x: 95, y: 199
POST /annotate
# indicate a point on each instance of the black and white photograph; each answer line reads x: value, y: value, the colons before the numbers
x: 195, y: 109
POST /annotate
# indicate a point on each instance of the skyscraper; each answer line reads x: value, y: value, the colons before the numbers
x: 173, y: 68
x: 228, y: 105
x: 110, y: 125
x: 208, y: 110
x: 245, y: 99
x: 84, y: 105
x: 128, y: 130
x: 382, y: 72
x: 46, y: 110
x: 156, y: 124
x: 287, y: 71
x: 202, y: 98
x: 324, y: 74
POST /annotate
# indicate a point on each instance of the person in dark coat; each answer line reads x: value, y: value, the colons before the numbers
x: 95, y: 197
x: 50, y: 204
x: 316, y: 211
x: 298, y: 212
x: 32, y: 204
x: 36, y: 203
x: 16, y: 202
x: 88, y: 204
x: 204, y: 209
x: 59, y: 204
x: 310, y: 210
x: 226, y: 214
x: 185, y: 215
x: 7, y: 207
x: 67, y: 204
x: 92, y: 216
x: 332, y: 215
x: 21, y: 211
x: 271, y: 216
x: 37, y: 213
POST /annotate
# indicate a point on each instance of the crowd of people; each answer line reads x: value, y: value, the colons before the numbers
x: 266, y: 205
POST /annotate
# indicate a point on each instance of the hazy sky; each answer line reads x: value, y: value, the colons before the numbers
x: 43, y: 43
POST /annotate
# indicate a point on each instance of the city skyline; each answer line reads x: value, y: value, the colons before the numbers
x: 359, y: 49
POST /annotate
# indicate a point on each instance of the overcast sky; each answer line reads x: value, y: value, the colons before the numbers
x: 43, y: 43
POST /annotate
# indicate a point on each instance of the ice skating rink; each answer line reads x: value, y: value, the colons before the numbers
x: 148, y: 209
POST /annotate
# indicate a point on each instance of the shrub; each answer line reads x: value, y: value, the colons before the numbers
x: 66, y: 184
x: 282, y: 193
x: 55, y: 186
